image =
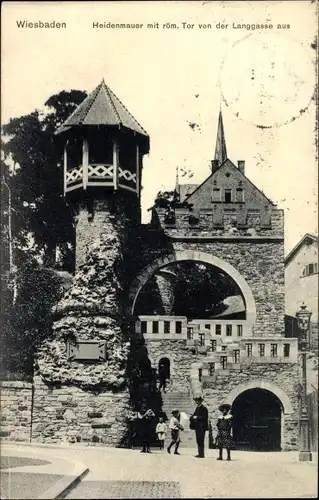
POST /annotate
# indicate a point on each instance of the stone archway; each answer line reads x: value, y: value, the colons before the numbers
x: 181, y: 255
x: 282, y: 423
x: 268, y: 386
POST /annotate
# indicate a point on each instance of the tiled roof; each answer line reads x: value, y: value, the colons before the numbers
x: 102, y: 107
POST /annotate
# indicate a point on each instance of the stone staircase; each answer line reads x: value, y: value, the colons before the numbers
x: 181, y: 401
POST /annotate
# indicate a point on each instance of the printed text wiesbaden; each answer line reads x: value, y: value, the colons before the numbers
x: 41, y: 24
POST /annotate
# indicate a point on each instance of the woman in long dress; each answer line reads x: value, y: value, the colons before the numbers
x: 145, y: 425
x: 224, y: 425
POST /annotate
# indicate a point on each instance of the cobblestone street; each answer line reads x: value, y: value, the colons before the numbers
x: 118, y: 473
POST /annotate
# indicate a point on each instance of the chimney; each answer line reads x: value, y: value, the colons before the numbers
x: 215, y: 166
x: 241, y: 166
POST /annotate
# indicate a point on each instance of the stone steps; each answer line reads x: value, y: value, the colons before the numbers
x: 182, y: 402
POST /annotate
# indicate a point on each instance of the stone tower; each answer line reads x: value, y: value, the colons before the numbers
x: 80, y: 384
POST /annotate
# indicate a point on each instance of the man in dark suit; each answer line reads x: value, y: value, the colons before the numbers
x: 199, y: 422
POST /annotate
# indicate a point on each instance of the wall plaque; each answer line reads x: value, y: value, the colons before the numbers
x: 87, y: 350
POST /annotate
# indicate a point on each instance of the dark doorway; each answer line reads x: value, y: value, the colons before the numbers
x: 164, y: 368
x: 257, y: 421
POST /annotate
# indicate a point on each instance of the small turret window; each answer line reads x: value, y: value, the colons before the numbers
x: 74, y: 152
x: 100, y: 149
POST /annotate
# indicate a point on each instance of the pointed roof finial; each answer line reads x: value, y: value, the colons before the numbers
x: 177, y: 177
x: 177, y: 190
x: 220, y: 149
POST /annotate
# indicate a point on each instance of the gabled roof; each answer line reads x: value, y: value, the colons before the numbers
x: 227, y: 162
x: 102, y: 107
x: 305, y: 239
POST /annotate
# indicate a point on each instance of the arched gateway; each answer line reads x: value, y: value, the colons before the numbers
x: 205, y: 257
x: 259, y: 409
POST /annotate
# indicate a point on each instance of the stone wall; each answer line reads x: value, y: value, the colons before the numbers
x: 16, y: 411
x: 262, y: 266
x: 202, y: 224
x: 166, y: 288
x: 92, y: 310
x: 180, y: 357
x: 66, y: 413
x: 217, y: 389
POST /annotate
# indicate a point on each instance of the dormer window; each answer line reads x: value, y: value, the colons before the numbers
x: 240, y: 195
x: 228, y: 196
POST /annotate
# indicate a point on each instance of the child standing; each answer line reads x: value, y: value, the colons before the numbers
x: 161, y: 430
x: 175, y: 427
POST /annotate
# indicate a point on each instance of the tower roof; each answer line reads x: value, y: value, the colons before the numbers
x: 102, y: 107
x: 220, y: 149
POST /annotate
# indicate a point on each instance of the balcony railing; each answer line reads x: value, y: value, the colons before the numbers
x: 102, y: 175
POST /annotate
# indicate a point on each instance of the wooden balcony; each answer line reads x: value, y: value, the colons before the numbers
x: 111, y: 175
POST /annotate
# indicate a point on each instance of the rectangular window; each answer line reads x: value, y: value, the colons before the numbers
x: 190, y: 333
x: 286, y: 350
x: 200, y: 374
x: 201, y: 337
x: 218, y: 329
x: 228, y: 195
x: 167, y: 327
x: 261, y: 350
x: 216, y: 194
x: 224, y: 347
x: 213, y: 345
x: 249, y: 349
x: 178, y: 327
x: 310, y: 269
x: 143, y: 326
x: 229, y: 330
x: 211, y: 368
x: 239, y: 330
x: 236, y: 355
x: 223, y: 361
x: 155, y: 326
x: 207, y: 327
x: 273, y: 350
x: 240, y: 195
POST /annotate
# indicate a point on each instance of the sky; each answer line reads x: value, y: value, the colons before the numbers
x: 175, y: 80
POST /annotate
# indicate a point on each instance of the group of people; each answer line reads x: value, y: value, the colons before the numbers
x: 198, y: 422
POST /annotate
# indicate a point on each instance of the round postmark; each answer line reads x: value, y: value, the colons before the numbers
x: 267, y: 80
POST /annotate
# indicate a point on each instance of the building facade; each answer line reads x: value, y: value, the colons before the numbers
x: 84, y: 384
x: 301, y: 285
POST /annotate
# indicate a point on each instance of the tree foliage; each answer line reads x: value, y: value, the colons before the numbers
x: 28, y: 322
x: 35, y: 220
x: 33, y: 170
x: 200, y: 289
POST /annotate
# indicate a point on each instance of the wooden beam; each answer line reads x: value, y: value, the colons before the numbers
x: 115, y: 163
x: 138, y: 170
x: 65, y: 167
x: 85, y: 162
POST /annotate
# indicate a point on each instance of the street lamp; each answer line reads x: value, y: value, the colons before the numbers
x: 303, y: 319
